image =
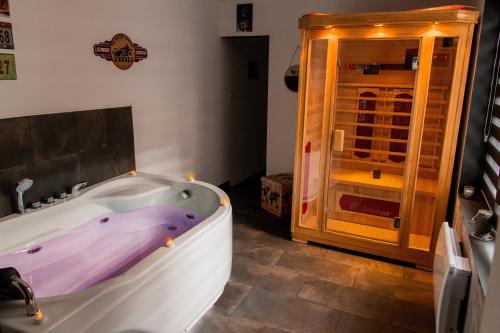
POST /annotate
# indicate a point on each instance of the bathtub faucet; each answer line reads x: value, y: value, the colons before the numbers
x: 75, y: 189
x: 11, y: 285
x: 22, y: 186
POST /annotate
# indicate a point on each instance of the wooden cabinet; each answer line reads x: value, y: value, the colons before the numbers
x: 380, y: 99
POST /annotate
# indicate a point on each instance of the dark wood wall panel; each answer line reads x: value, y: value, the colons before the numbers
x: 61, y: 149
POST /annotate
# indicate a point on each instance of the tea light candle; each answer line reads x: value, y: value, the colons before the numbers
x: 39, y: 317
x: 169, y: 242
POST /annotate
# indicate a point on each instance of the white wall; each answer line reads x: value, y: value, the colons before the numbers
x: 279, y: 20
x: 175, y: 93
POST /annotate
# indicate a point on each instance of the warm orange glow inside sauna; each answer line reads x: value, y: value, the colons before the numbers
x: 372, y: 115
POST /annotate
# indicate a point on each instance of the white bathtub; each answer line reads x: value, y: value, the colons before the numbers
x: 167, y: 290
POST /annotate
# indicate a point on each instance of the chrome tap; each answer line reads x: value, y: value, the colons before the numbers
x: 22, y: 186
x: 75, y: 189
x: 12, y: 286
x: 28, y: 294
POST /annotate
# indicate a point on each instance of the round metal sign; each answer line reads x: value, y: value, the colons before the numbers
x: 122, y: 51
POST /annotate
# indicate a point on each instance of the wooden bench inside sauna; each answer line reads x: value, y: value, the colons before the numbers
x: 379, y: 111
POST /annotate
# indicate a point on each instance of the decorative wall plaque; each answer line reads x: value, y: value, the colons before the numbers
x: 121, y: 51
x: 7, y: 67
x: 6, y: 41
x: 4, y: 8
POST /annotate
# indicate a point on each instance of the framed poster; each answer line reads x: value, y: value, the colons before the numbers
x: 244, y: 17
x: 6, y: 41
x: 7, y: 67
x: 4, y: 8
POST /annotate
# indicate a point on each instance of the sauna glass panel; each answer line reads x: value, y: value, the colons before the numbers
x: 313, y: 132
x: 371, y: 120
x: 433, y: 135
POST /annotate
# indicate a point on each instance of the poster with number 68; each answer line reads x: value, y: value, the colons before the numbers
x: 6, y: 40
x: 7, y: 67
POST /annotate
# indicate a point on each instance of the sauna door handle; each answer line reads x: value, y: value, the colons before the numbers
x: 338, y: 140
x: 397, y: 222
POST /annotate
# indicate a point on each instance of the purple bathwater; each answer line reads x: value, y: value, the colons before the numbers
x: 100, y: 249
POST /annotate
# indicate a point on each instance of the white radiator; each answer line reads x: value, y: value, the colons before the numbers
x: 451, y: 280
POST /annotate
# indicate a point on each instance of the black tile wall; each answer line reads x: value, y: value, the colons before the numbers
x: 59, y: 150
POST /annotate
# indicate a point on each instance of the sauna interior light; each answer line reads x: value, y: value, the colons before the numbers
x: 378, y: 25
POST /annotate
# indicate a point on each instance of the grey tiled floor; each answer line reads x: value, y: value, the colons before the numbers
x: 282, y: 286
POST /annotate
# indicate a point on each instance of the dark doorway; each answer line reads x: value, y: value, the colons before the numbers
x: 246, y: 68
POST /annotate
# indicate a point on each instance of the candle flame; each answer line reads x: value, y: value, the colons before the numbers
x: 39, y: 316
x: 191, y: 176
x: 169, y: 242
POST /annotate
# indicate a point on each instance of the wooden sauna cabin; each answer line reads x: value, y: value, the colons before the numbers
x: 380, y: 100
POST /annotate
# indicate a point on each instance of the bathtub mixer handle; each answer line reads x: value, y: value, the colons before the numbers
x: 75, y: 189
x: 11, y: 285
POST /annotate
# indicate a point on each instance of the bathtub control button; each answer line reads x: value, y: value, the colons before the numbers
x: 48, y: 200
x: 104, y: 220
x: 61, y: 195
x: 186, y: 194
x: 36, y: 204
x: 34, y: 249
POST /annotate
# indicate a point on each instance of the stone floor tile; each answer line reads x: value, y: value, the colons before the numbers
x: 283, y: 312
x: 348, y: 299
x: 275, y: 279
x: 362, y: 303
x: 364, y: 262
x: 233, y: 294
x: 319, y: 267
x: 213, y: 322
x: 392, y: 286
x: 246, y: 233
x: 260, y: 254
x: 417, y: 275
x: 349, y: 323
x: 290, y: 246
x: 318, y: 291
x: 417, y: 317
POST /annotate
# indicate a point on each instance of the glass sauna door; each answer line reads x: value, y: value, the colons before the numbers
x: 312, y: 142
x: 372, y: 112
